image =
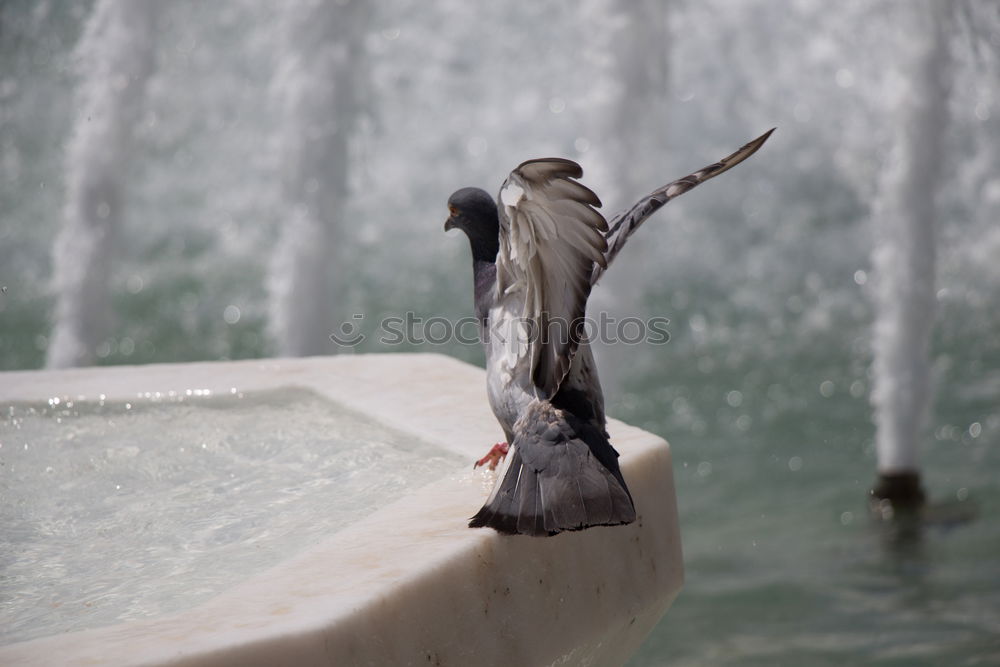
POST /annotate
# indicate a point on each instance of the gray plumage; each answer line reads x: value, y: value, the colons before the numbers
x: 561, y: 474
x: 537, y: 252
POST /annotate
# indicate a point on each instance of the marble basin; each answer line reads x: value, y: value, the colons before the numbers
x: 409, y: 584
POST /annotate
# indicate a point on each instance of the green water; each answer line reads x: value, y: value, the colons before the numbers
x: 784, y: 565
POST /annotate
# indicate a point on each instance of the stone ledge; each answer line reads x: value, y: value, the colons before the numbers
x: 411, y: 584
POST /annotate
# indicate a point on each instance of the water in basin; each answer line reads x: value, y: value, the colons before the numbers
x: 117, y: 511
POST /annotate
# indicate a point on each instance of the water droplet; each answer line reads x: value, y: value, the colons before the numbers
x: 860, y: 277
x: 826, y: 388
x: 857, y: 389
x: 231, y: 314
x: 557, y: 105
x: 734, y: 398
x: 704, y: 468
x: 962, y: 494
x: 975, y: 429
x: 126, y: 346
x: 795, y: 463
x: 846, y: 518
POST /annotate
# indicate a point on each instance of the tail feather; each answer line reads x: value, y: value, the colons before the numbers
x: 529, y: 504
x: 506, y: 510
x: 599, y: 497
x: 554, y: 481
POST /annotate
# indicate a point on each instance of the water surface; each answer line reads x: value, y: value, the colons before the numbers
x: 118, y: 511
x: 773, y: 458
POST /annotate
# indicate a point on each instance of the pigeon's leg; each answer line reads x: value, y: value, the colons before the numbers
x: 496, y: 454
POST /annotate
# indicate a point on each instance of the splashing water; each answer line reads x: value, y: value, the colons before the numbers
x: 904, y: 256
x: 116, y: 58
x: 317, y: 86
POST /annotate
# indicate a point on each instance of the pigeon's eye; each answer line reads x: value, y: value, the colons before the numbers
x: 452, y: 210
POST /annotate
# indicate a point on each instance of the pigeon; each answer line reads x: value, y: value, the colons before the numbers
x: 537, y: 252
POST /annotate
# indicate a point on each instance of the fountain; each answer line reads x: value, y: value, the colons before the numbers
x: 904, y: 262
x: 763, y: 390
x: 116, y: 59
x: 318, y: 87
x: 406, y: 582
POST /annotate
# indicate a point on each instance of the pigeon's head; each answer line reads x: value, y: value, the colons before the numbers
x: 474, y: 212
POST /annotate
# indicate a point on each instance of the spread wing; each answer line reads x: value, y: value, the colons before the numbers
x: 625, y: 223
x: 551, y: 238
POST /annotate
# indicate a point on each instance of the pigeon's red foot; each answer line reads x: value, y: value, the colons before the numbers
x: 496, y: 454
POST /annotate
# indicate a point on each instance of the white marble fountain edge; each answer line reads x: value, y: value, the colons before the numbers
x: 411, y: 584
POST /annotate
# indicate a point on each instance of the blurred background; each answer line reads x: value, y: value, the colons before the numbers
x: 187, y: 181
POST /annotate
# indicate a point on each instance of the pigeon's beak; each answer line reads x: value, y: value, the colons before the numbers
x: 450, y: 223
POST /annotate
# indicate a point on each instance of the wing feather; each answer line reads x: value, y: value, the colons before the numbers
x: 624, y: 224
x: 551, y: 238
